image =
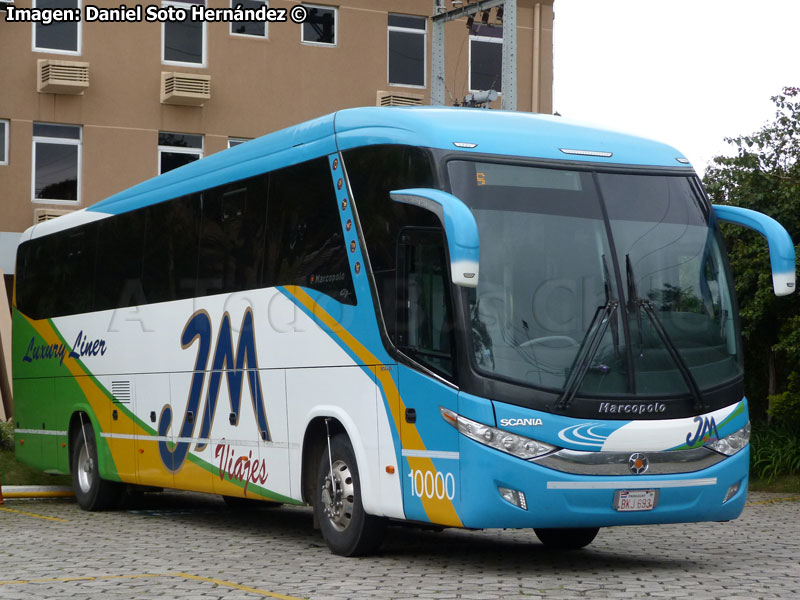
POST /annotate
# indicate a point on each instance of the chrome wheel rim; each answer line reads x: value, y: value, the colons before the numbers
x: 338, y: 496
x: 85, y: 468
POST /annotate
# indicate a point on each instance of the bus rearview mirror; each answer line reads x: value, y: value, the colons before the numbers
x: 459, y: 228
x: 781, y: 248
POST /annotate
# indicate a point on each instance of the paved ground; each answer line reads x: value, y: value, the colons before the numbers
x: 188, y: 546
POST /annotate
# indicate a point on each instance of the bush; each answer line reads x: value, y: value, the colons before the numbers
x: 774, y: 451
x: 7, y: 435
x: 784, y: 408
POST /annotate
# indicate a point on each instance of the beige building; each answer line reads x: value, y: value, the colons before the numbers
x: 90, y: 108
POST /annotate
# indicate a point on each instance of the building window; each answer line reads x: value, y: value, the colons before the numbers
x: 234, y: 141
x: 60, y: 38
x: 257, y: 29
x: 320, y: 25
x: 56, y: 163
x: 485, y: 58
x: 407, y: 50
x: 178, y: 149
x: 3, y: 142
x: 184, y: 42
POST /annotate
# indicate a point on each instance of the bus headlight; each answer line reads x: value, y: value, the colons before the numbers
x: 731, y: 444
x: 510, y: 443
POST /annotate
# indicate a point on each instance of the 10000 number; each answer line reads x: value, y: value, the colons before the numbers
x: 427, y: 484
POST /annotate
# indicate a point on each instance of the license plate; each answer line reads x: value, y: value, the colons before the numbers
x: 635, y: 500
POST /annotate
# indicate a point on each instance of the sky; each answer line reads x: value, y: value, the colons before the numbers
x: 685, y: 72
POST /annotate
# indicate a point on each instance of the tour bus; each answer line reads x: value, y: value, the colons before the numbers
x: 448, y: 317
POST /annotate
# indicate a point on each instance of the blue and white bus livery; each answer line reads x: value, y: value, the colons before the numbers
x: 456, y: 317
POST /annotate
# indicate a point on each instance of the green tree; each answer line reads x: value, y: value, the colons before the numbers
x: 764, y: 175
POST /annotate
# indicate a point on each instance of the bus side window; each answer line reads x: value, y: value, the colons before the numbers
x: 31, y: 288
x: 232, y: 237
x: 172, y: 236
x: 424, y: 320
x: 118, y: 273
x: 373, y: 171
x: 305, y: 244
x: 75, y: 264
x: 57, y: 273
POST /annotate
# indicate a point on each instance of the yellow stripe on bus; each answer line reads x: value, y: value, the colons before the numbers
x: 441, y: 512
x: 190, y: 477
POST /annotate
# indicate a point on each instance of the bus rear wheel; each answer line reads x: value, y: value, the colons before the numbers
x: 567, y: 538
x: 346, y: 528
x: 91, y: 492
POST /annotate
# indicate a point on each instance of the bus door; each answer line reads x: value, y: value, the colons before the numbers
x: 152, y: 395
x: 425, y: 334
x: 250, y: 438
x: 191, y: 453
x: 121, y: 440
x: 32, y: 444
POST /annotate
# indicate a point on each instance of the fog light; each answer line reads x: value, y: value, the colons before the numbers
x: 515, y: 497
x: 731, y: 492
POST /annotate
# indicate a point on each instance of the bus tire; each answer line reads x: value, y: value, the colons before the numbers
x: 567, y: 538
x: 338, y: 508
x: 91, y: 492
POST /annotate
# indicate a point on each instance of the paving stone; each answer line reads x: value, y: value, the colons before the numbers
x: 277, y: 551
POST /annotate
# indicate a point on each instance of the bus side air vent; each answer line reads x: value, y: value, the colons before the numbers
x: 121, y: 390
x: 188, y: 89
x: 40, y: 215
x: 62, y: 76
x: 393, y: 99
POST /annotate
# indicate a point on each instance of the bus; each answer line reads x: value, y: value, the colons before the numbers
x: 448, y: 317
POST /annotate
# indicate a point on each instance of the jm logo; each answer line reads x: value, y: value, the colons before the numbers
x: 233, y: 365
x: 706, y: 431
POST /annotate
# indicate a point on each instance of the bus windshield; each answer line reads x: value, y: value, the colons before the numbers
x: 561, y: 249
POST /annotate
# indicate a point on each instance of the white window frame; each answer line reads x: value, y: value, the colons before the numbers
x: 4, y: 141
x: 164, y: 61
x: 481, y: 38
x: 65, y: 142
x: 424, y: 34
x: 181, y: 149
x: 249, y: 36
x: 238, y: 140
x: 335, y: 10
x: 79, y: 41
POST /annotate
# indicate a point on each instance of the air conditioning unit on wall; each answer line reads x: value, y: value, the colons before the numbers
x: 396, y: 99
x: 62, y: 76
x: 40, y: 215
x: 189, y: 89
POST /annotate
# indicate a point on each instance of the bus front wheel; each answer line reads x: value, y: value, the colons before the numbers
x: 91, y: 492
x: 346, y: 528
x: 567, y: 538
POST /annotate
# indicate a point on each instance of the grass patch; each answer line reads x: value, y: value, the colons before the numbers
x: 14, y: 472
x: 785, y: 484
x: 774, y: 452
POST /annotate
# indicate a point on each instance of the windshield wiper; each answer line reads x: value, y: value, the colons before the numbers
x: 591, y: 343
x: 634, y: 303
x: 641, y: 304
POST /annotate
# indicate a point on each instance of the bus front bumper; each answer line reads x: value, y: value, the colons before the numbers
x: 556, y: 499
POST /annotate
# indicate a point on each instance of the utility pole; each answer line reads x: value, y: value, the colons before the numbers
x: 509, y: 70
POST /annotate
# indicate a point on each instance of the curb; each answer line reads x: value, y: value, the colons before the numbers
x: 36, y: 491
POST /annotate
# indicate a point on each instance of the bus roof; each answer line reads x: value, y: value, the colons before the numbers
x: 458, y: 129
